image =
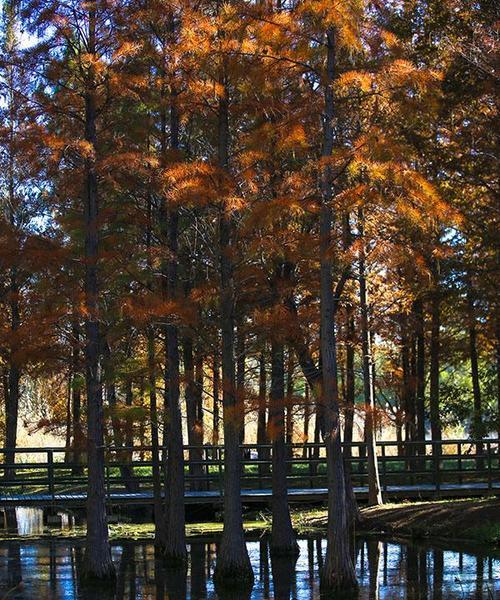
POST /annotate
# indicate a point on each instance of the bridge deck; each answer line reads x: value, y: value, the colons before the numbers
x: 255, y: 496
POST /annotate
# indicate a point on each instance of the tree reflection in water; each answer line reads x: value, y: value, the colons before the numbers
x: 386, y: 570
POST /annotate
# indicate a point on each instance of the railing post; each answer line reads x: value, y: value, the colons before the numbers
x: 490, y: 481
x: 384, y: 469
x: 459, y: 452
x: 50, y: 473
x: 436, y: 451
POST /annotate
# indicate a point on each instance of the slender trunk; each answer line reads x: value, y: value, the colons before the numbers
x: 283, y: 539
x: 306, y: 417
x: 420, y: 372
x: 407, y: 395
x: 124, y: 457
x: 240, y: 379
x: 338, y: 572
x: 216, y: 399
x: 477, y: 424
x: 155, y: 439
x: 435, y: 349
x: 350, y: 395
x: 97, y: 562
x: 175, y: 535
x: 175, y: 543
x: 289, y: 403
x: 76, y: 399
x: 194, y: 429
x: 14, y: 379
x: 374, y: 490
x: 261, y: 417
x: 233, y: 566
x: 497, y: 356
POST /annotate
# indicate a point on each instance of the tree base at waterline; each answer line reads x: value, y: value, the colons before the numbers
x: 235, y: 576
x: 103, y: 577
x: 338, y: 588
x: 291, y: 549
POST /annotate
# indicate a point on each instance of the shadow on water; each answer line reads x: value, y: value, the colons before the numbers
x: 386, y: 570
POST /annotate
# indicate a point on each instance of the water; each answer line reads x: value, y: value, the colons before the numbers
x: 386, y: 570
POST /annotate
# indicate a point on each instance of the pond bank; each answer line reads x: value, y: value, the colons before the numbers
x: 474, y: 521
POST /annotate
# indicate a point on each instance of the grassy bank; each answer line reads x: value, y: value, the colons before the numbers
x: 475, y: 521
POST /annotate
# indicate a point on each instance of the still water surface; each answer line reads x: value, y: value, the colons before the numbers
x: 387, y: 570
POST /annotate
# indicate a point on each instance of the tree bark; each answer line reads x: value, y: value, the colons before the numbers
x: 240, y: 378
x: 194, y: 426
x: 97, y: 561
x: 338, y: 573
x: 374, y: 490
x: 477, y: 424
x: 435, y: 349
x: 261, y: 417
x: 420, y: 373
x: 233, y: 566
x: 283, y: 539
x: 155, y: 440
x: 216, y: 398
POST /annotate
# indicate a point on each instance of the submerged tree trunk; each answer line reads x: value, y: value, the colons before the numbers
x: 175, y: 541
x: 97, y: 562
x: 338, y: 573
x: 374, y: 490
x: 233, y: 566
x: 283, y: 539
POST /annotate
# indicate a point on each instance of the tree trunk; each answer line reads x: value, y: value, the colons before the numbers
x: 233, y: 566
x: 289, y: 405
x: 261, y: 417
x: 124, y: 457
x: 194, y: 426
x: 283, y: 539
x: 477, y: 424
x: 434, y: 369
x: 159, y: 517
x: 350, y: 397
x: 175, y: 542
x: 216, y: 399
x: 374, y: 490
x: 14, y: 379
x: 174, y: 549
x: 338, y: 573
x: 420, y: 373
x: 76, y: 399
x: 97, y: 561
x: 240, y: 379
x: 306, y: 418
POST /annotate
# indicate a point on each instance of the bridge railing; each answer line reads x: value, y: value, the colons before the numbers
x: 52, y: 471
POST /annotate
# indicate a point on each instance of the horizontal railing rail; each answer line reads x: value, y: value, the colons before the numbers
x: 52, y: 471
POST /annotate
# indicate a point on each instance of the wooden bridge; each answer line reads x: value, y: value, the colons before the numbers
x: 47, y: 477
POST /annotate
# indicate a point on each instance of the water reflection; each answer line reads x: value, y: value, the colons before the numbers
x: 48, y: 570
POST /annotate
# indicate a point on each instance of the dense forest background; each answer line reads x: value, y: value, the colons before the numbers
x: 416, y: 205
